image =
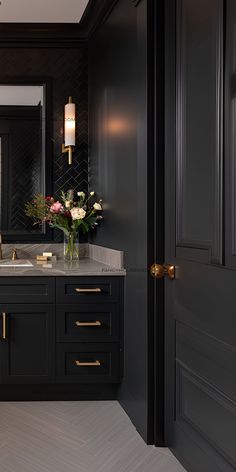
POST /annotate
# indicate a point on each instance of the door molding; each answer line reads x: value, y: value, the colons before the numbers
x: 195, y: 249
x: 156, y: 216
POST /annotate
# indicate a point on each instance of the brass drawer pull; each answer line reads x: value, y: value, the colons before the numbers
x: 88, y: 364
x: 88, y: 323
x: 4, y: 325
x: 88, y: 290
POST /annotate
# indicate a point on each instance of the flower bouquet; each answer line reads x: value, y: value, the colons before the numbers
x: 71, y: 215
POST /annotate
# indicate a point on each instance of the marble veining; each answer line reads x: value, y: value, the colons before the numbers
x: 94, y: 260
x: 110, y: 257
x: 106, y: 255
x: 30, y: 251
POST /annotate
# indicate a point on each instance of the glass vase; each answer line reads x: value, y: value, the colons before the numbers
x: 71, y: 247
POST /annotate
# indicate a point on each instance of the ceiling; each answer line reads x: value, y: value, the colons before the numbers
x: 42, y: 11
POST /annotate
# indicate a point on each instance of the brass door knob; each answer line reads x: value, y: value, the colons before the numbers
x: 158, y: 271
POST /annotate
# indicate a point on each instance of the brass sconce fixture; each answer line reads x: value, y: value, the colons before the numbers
x: 69, y: 129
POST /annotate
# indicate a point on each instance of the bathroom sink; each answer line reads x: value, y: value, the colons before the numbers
x: 17, y: 263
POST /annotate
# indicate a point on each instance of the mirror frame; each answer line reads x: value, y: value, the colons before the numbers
x: 46, y: 82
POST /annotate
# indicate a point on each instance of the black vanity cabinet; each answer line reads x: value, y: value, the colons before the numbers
x: 88, y: 319
x: 61, y: 331
x: 27, y: 327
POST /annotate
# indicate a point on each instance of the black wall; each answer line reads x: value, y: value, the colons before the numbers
x: 67, y: 67
x: 118, y: 168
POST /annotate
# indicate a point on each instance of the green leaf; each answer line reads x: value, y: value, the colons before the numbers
x: 84, y: 226
x: 55, y: 225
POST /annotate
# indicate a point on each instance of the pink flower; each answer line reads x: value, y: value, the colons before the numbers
x: 56, y: 207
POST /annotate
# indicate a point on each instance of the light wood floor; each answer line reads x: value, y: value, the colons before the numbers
x: 75, y: 437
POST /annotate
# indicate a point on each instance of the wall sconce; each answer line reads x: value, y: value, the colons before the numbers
x: 69, y: 129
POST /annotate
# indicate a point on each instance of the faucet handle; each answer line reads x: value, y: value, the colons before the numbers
x: 14, y: 254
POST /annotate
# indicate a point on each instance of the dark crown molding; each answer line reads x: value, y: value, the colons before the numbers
x: 56, y: 34
x: 40, y: 34
x: 135, y: 2
x: 95, y: 14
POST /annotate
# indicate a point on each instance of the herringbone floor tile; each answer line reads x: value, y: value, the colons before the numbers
x: 75, y: 437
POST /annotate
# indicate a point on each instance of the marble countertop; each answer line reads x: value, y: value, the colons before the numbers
x: 84, y: 267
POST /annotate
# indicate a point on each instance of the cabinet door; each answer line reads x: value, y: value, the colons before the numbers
x: 27, y: 344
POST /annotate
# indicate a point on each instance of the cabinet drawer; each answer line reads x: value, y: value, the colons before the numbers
x: 27, y: 289
x: 88, y: 363
x: 87, y: 289
x: 87, y: 322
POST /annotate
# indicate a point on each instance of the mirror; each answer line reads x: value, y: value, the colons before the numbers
x: 23, y: 133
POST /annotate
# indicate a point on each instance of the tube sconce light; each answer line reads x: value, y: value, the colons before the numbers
x: 69, y: 129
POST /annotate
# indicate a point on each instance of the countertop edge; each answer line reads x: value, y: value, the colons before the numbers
x: 86, y: 267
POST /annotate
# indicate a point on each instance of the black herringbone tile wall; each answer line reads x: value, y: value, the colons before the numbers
x: 67, y: 68
x: 20, y: 177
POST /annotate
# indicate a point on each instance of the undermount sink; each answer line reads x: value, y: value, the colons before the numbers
x: 17, y: 263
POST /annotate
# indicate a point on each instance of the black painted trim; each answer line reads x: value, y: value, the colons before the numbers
x: 40, y: 34
x: 58, y: 392
x: 48, y: 161
x: 159, y: 218
x: 156, y: 220
x: 151, y: 51
x: 135, y: 2
x: 56, y: 34
x: 95, y: 14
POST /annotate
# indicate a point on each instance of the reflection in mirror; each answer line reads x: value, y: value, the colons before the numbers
x: 22, y: 154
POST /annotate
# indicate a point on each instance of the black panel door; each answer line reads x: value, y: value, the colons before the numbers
x: 27, y: 344
x: 200, y: 237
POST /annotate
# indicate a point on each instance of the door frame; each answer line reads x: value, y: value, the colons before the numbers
x: 155, y: 229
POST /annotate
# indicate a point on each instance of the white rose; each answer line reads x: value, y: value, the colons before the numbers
x: 68, y: 203
x: 92, y: 194
x: 77, y: 213
x: 97, y: 206
x: 81, y: 194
